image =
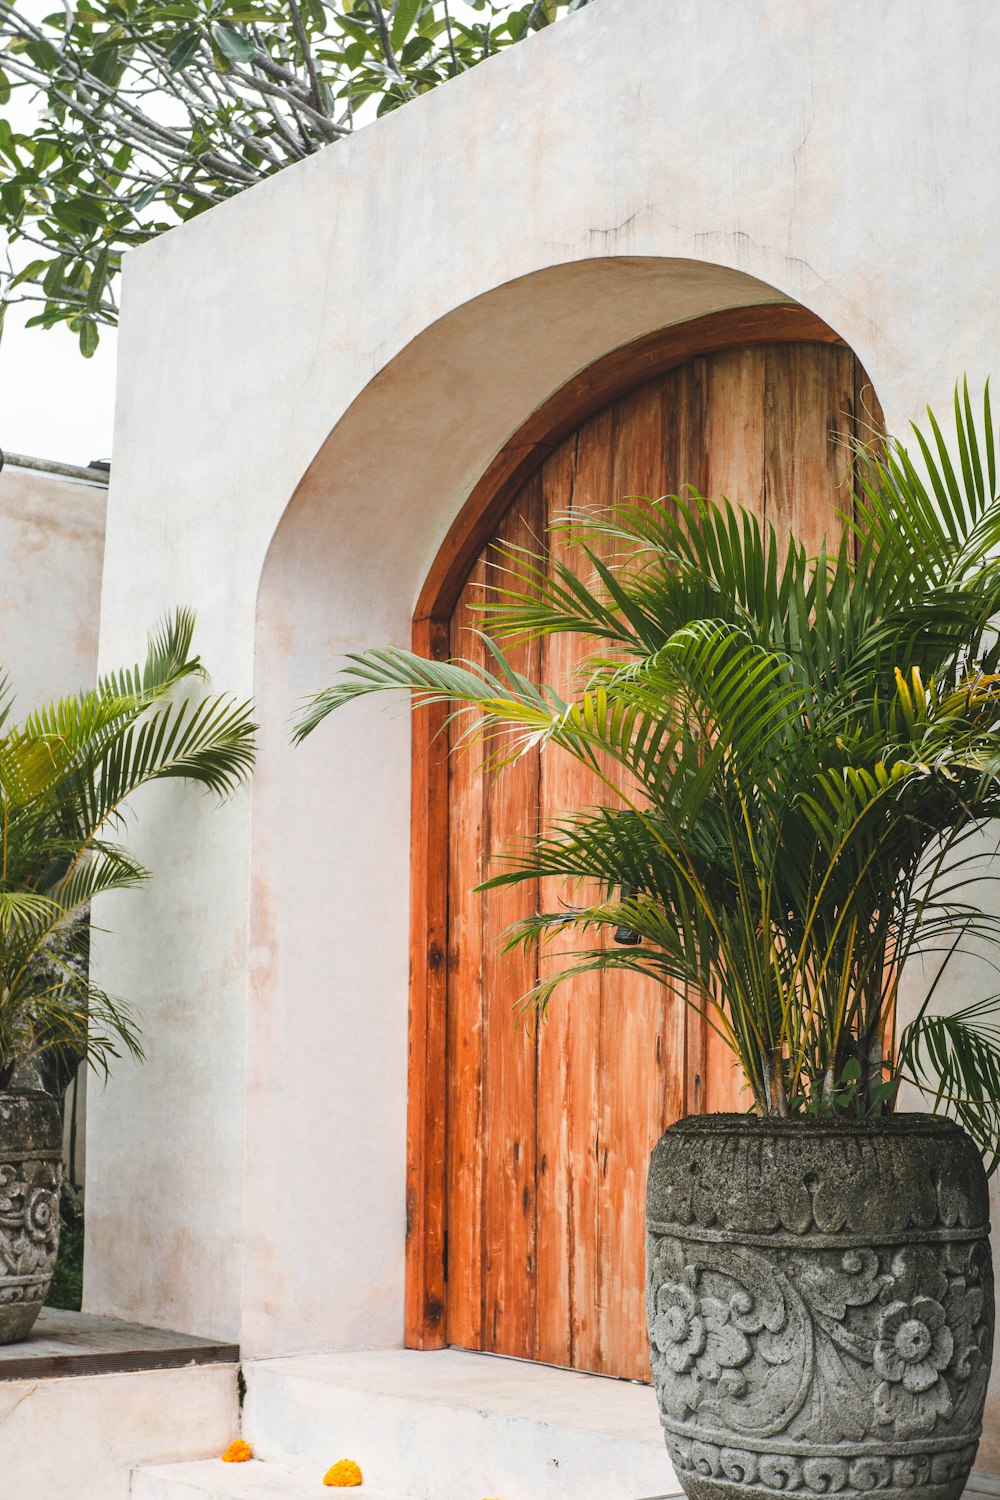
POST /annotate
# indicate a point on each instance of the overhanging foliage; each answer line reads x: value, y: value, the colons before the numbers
x: 154, y: 110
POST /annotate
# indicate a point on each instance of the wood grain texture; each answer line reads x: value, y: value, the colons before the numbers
x: 642, y: 1023
x: 808, y: 423
x: 466, y: 856
x: 72, y: 1344
x: 568, y: 1063
x: 734, y: 451
x: 426, y: 1150
x: 540, y: 1166
x: 509, y: 1063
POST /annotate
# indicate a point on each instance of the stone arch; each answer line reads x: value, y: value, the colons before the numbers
x: 349, y: 566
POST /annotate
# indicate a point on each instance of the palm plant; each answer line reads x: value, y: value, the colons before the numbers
x: 800, y: 753
x: 66, y: 776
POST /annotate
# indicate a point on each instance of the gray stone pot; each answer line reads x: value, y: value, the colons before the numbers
x: 820, y: 1303
x: 30, y: 1176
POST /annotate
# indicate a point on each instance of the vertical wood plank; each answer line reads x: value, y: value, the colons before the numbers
x: 643, y: 1023
x: 734, y: 460
x: 808, y: 426
x: 734, y: 427
x: 685, y: 398
x: 577, y: 476
x: 466, y: 860
x: 426, y: 1134
x: 510, y: 1126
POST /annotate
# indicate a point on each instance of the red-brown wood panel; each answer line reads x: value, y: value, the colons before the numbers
x: 734, y: 448
x: 549, y: 1129
x: 642, y: 1022
x: 509, y: 1076
x: 569, y: 1285
x: 809, y: 415
x: 426, y: 1126
x: 466, y: 854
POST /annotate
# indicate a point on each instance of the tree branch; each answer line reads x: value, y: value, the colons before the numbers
x: 307, y: 58
x: 387, y: 47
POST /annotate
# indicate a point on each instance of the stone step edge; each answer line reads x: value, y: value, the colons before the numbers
x: 259, y: 1374
x: 254, y: 1480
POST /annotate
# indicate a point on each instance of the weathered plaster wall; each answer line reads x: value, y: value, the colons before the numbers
x: 52, y: 551
x: 51, y: 560
x: 362, y: 333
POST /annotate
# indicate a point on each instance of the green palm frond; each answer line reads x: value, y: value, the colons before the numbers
x: 955, y: 1062
x: 168, y: 662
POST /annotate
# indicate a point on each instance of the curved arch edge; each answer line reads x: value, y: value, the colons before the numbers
x: 601, y: 383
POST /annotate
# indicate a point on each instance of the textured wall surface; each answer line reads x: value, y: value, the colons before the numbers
x: 79, y: 1438
x: 51, y: 560
x: 339, y: 354
x: 52, y: 551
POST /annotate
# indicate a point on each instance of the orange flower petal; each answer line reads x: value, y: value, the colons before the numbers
x: 238, y: 1452
x: 344, y: 1474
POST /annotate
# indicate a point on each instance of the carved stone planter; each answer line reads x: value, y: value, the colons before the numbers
x: 820, y: 1303
x: 30, y: 1175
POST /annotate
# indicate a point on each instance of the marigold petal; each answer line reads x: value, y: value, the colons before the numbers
x: 344, y: 1474
x: 238, y: 1452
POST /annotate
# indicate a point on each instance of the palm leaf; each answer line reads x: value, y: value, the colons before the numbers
x: 960, y: 1052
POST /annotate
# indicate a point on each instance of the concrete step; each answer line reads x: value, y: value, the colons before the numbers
x: 214, y: 1480
x: 452, y: 1425
x: 79, y: 1437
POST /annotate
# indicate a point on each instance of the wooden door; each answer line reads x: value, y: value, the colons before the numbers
x: 548, y: 1131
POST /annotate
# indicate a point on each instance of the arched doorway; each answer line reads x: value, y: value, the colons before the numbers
x: 528, y: 1151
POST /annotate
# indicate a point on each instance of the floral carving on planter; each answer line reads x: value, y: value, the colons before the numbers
x: 814, y: 1343
x: 697, y: 1331
x: 29, y: 1218
x: 914, y: 1346
x: 30, y: 1175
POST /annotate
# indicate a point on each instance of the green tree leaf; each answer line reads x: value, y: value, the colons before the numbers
x: 98, y: 281
x: 183, y: 52
x: 402, y: 22
x: 89, y: 337
x: 233, y: 46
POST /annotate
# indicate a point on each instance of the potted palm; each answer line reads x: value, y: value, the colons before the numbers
x: 67, y: 773
x: 800, y: 754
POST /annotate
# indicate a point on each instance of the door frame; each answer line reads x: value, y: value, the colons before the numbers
x: 601, y: 383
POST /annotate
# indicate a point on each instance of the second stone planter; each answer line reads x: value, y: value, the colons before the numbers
x: 30, y: 1175
x: 820, y: 1303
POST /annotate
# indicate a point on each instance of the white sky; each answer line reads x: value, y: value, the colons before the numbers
x: 53, y: 402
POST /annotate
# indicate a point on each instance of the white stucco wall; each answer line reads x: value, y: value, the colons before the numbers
x: 51, y: 561
x: 52, y: 552
x: 358, y: 337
